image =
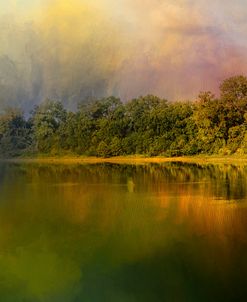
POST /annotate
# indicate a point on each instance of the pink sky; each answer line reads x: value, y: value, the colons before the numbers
x: 74, y: 49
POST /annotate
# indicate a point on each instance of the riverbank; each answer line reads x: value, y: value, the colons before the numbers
x: 198, y: 159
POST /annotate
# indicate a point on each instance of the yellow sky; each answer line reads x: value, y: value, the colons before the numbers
x: 71, y: 49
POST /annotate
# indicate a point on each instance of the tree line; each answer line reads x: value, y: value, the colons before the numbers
x: 146, y: 125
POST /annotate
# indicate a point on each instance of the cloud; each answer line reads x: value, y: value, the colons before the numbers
x: 73, y: 49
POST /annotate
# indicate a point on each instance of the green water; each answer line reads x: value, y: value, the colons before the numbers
x: 171, y: 232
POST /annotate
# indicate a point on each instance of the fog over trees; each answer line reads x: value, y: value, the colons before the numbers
x: 146, y: 125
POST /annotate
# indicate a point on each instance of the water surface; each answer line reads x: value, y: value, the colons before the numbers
x: 168, y: 232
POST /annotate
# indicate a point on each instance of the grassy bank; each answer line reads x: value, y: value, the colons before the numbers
x: 200, y: 159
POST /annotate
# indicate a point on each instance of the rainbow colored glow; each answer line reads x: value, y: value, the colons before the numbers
x: 74, y: 49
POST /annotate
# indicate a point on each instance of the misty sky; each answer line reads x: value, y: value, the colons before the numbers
x: 71, y: 50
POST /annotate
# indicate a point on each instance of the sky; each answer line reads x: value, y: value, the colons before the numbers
x: 72, y: 50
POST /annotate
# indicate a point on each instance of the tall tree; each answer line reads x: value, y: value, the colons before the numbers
x: 47, y: 118
x: 15, y: 132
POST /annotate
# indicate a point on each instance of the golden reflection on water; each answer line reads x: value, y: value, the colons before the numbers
x: 57, y: 223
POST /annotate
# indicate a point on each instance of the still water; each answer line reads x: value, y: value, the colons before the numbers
x: 169, y: 232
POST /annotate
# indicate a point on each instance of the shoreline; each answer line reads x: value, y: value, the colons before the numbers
x: 198, y: 159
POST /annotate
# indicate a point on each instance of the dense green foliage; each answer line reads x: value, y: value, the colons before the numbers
x: 146, y: 125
